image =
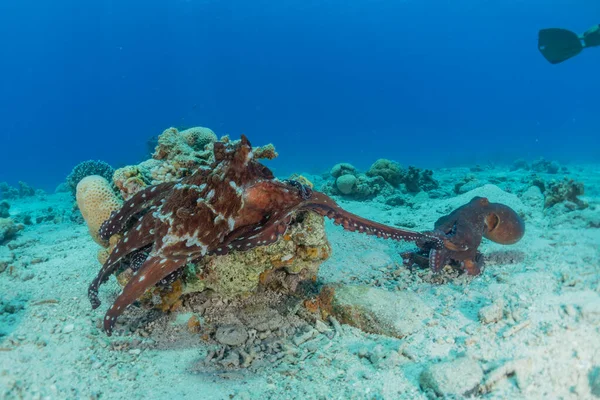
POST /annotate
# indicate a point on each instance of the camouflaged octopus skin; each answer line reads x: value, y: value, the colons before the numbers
x: 235, y: 204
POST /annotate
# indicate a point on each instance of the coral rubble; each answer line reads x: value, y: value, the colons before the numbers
x: 565, y: 191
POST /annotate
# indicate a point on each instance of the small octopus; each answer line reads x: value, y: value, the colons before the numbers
x: 235, y: 204
x: 460, y: 233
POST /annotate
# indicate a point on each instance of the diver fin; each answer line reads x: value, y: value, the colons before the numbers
x: 558, y: 45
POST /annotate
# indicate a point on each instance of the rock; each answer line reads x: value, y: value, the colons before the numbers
x: 193, y: 324
x: 460, y: 377
x: 8, y: 230
x: 232, y: 360
x: 68, y: 328
x: 231, y: 335
x: 594, y: 381
x: 372, y: 310
x: 492, y: 313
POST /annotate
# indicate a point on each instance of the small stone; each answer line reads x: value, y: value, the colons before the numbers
x: 135, y: 352
x: 193, y: 324
x: 231, y: 335
x: 304, y: 337
x: 321, y: 327
x: 492, y: 313
x: 363, y: 352
x: 68, y: 328
x: 27, y: 277
x: 460, y: 377
x: 231, y: 360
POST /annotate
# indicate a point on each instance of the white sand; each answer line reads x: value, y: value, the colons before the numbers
x: 547, y: 286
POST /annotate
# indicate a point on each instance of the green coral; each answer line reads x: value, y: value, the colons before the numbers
x: 342, y: 169
x: 389, y: 170
x: 346, y: 184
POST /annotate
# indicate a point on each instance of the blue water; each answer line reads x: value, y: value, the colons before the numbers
x: 429, y: 82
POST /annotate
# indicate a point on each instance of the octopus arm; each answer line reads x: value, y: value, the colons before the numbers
x: 136, y: 204
x: 324, y: 205
x: 139, y: 236
x: 154, y: 269
x: 437, y: 259
x: 262, y: 235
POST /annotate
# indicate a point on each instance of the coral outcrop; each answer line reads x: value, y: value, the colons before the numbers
x: 540, y: 165
x: 389, y: 170
x: 342, y: 169
x: 565, y: 191
x: 177, y: 155
x: 88, y: 168
x: 545, y: 166
x: 4, y: 207
x: 96, y: 201
x: 299, y: 255
x: 8, y: 230
x: 383, y: 178
x: 24, y: 190
x: 280, y: 265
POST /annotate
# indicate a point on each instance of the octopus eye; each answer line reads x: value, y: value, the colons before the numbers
x: 263, y: 171
x: 451, y: 231
x: 492, y: 221
x: 304, y: 191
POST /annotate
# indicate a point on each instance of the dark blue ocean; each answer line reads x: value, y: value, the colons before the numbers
x: 430, y: 83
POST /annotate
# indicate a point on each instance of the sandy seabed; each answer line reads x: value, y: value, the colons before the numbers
x: 529, y: 325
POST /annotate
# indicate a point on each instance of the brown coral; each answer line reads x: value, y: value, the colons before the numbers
x: 129, y: 180
x: 567, y: 191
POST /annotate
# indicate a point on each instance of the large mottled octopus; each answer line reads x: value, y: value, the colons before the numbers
x: 461, y: 233
x: 235, y: 204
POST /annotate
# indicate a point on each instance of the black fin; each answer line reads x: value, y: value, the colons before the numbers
x: 558, y: 45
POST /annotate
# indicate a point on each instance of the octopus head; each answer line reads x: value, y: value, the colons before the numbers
x: 502, y: 224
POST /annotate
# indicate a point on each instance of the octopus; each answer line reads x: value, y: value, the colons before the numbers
x: 461, y: 232
x: 235, y: 204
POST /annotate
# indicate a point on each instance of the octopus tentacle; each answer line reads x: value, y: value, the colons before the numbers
x: 140, y: 202
x: 249, y: 237
x: 154, y: 269
x: 326, y: 206
x: 263, y: 235
x: 136, y: 238
x: 437, y: 258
